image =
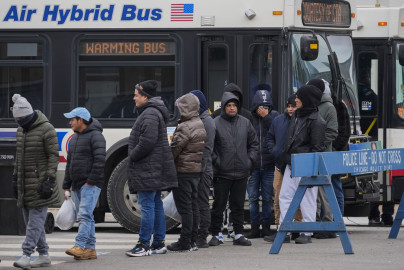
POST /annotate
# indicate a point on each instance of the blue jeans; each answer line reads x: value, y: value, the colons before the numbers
x: 153, y: 220
x: 264, y: 179
x: 85, y: 201
x: 339, y: 194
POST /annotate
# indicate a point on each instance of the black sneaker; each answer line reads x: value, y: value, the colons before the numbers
x: 201, y: 243
x: 375, y: 222
x: 271, y: 238
x: 295, y: 235
x: 303, y: 239
x: 214, y: 241
x: 178, y: 247
x: 321, y: 235
x: 242, y: 241
x: 332, y: 235
x: 193, y: 247
x: 158, y: 248
x: 139, y: 250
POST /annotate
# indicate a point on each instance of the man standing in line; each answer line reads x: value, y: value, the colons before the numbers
x: 207, y: 171
x: 261, y: 180
x: 151, y: 167
x: 34, y: 178
x: 85, y: 176
x: 235, y: 150
x: 187, y: 146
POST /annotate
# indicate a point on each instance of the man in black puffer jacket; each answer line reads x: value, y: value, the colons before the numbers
x: 234, y: 153
x: 151, y: 167
x: 85, y: 175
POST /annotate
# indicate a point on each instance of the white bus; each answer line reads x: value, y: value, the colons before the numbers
x: 64, y: 54
x: 381, y: 82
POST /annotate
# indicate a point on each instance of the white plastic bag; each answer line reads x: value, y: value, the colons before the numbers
x: 67, y: 214
x: 170, y: 209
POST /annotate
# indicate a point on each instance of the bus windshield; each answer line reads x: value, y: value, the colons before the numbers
x: 303, y: 71
x: 399, y: 96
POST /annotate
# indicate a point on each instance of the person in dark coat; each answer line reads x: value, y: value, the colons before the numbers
x: 234, y: 153
x: 187, y: 146
x: 306, y: 134
x: 235, y: 89
x: 275, y: 141
x: 85, y: 175
x: 207, y: 171
x: 261, y: 180
x: 151, y: 167
x: 34, y: 178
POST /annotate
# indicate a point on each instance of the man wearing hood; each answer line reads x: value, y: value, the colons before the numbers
x: 262, y: 177
x: 235, y: 89
x: 207, y: 171
x: 187, y: 146
x: 234, y: 153
x: 85, y: 175
x: 151, y: 167
x: 34, y: 178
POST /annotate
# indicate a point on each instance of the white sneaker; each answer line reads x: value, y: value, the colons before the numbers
x: 24, y: 262
x: 41, y: 261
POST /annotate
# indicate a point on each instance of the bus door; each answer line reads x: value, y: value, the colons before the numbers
x: 370, y: 62
x: 246, y: 60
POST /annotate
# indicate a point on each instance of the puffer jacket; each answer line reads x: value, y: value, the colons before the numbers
x: 236, y: 145
x: 86, y: 158
x: 210, y: 129
x: 37, y: 158
x: 309, y: 136
x: 265, y: 159
x: 189, y: 137
x: 327, y: 111
x: 151, y: 162
x: 276, y: 137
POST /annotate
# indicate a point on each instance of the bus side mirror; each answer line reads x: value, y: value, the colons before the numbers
x: 309, y: 47
x: 401, y: 54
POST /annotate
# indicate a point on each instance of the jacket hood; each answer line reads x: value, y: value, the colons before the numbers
x: 203, y: 104
x: 188, y: 106
x: 261, y: 98
x: 40, y: 120
x: 235, y: 89
x: 228, y: 96
x: 326, y: 98
x: 157, y: 103
x: 94, y: 125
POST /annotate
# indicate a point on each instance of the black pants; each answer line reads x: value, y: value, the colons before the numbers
x: 203, y: 203
x: 235, y: 191
x: 388, y: 211
x: 186, y: 201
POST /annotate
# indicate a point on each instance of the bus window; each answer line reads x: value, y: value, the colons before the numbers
x: 217, y: 73
x: 399, y: 99
x: 106, y: 88
x: 21, y: 71
x: 260, y: 68
x: 368, y: 91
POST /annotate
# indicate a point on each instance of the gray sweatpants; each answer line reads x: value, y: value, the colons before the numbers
x: 35, y: 234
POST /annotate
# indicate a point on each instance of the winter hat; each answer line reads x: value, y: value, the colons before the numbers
x: 21, y: 106
x: 327, y: 89
x: 235, y: 89
x: 309, y: 95
x: 317, y: 83
x: 147, y: 88
x: 79, y: 112
x: 203, y: 105
x: 291, y: 100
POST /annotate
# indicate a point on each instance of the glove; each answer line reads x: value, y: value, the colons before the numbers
x: 15, y: 188
x: 46, y: 189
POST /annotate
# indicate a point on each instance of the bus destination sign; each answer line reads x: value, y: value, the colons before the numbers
x: 331, y: 13
x: 103, y: 48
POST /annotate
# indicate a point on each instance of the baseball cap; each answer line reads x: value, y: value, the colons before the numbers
x: 79, y: 112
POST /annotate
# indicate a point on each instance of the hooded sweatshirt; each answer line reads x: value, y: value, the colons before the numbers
x: 265, y: 158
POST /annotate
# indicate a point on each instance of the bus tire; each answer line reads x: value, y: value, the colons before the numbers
x: 123, y: 205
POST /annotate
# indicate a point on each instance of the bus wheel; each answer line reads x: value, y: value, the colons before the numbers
x: 123, y: 205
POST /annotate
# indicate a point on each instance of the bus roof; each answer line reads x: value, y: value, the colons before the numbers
x: 172, y: 14
x: 383, y: 22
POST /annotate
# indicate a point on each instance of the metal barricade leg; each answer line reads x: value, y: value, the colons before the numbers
x: 397, y: 220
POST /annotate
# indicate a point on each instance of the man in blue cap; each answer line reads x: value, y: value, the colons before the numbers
x: 85, y: 175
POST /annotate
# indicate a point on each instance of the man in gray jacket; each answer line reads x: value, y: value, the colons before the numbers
x: 207, y: 171
x: 235, y: 150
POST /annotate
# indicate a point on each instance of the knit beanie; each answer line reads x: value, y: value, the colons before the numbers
x: 309, y: 95
x: 147, y: 88
x: 203, y: 105
x: 291, y: 100
x: 317, y: 83
x: 21, y: 106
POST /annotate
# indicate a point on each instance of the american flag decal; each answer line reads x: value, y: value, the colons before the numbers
x: 182, y: 12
